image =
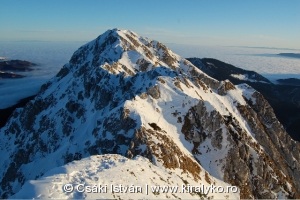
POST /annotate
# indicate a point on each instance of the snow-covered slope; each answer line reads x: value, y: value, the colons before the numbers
x: 112, y: 176
x: 125, y: 94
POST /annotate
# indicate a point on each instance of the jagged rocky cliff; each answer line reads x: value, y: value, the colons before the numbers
x: 125, y: 94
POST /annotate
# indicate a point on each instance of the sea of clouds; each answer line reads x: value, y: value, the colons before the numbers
x: 265, y: 61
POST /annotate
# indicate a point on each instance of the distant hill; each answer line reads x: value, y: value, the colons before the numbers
x: 9, y: 67
x: 16, y: 65
x: 292, y: 55
x: 10, y: 75
x: 289, y: 81
x: 222, y: 71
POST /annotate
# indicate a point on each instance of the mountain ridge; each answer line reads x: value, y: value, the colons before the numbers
x: 128, y: 95
x: 283, y: 98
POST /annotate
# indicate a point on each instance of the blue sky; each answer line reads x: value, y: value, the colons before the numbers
x: 269, y: 23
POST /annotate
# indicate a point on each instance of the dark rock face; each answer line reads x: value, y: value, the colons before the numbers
x: 247, y: 165
x: 284, y: 99
x: 7, y: 112
x: 154, y: 92
x: 277, y: 144
x: 224, y: 87
x: 156, y: 140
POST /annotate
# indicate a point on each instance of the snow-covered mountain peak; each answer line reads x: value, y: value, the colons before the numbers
x: 124, y: 51
x: 125, y: 94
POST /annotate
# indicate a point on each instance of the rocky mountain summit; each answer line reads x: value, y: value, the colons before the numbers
x: 128, y: 95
